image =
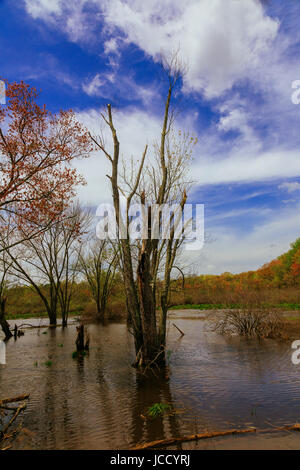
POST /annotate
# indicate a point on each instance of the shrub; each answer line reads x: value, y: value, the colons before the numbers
x: 249, y: 322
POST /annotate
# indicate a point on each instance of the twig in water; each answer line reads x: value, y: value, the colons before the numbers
x: 181, y: 332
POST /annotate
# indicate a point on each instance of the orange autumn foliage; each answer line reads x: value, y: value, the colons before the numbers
x: 36, y: 150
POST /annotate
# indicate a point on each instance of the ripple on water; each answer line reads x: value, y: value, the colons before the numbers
x: 101, y: 402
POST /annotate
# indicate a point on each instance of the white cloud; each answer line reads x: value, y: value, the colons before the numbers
x: 137, y: 128
x: 108, y: 86
x: 70, y: 17
x: 93, y: 87
x: 242, y: 167
x: 221, y: 42
x: 111, y: 46
x: 237, y: 119
x: 235, y: 252
x: 43, y: 8
x: 290, y: 187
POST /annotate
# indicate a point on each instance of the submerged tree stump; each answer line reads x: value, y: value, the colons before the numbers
x: 18, y: 332
x: 81, y: 343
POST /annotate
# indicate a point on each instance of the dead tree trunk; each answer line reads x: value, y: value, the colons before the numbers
x: 3, y: 323
x: 82, y: 344
x: 164, y: 176
x: 150, y: 344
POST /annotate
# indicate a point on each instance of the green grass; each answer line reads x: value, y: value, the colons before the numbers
x: 289, y: 306
x: 282, y: 305
x: 24, y: 316
x: 48, y: 363
x: 158, y: 409
x: 196, y: 306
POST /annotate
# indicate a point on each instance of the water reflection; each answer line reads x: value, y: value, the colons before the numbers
x: 148, y: 391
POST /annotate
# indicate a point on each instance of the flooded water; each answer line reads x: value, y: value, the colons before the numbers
x: 101, y: 402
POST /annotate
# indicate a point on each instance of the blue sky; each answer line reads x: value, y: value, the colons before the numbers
x: 241, y: 59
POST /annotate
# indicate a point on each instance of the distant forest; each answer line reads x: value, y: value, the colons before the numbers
x: 275, y: 284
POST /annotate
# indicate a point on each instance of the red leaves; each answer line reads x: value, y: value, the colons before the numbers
x: 36, y: 149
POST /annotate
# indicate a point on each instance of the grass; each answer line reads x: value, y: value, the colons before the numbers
x: 289, y: 306
x: 196, y: 307
x: 48, y: 363
x: 281, y: 306
x: 158, y: 409
x: 24, y: 316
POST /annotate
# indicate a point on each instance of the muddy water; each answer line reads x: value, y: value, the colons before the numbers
x: 101, y: 402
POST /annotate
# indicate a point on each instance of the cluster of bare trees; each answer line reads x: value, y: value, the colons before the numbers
x: 54, y: 261
x: 98, y: 263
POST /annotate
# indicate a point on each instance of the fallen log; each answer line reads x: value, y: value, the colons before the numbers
x: 18, y: 411
x: 191, y: 437
x: 27, y: 326
x: 14, y: 399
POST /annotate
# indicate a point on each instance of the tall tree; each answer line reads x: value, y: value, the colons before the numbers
x: 163, y: 182
x: 36, y: 149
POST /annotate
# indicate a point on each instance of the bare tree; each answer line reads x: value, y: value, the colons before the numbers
x: 48, y: 263
x: 98, y: 264
x: 162, y: 182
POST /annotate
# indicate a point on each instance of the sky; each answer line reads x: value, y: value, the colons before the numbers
x: 241, y: 59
